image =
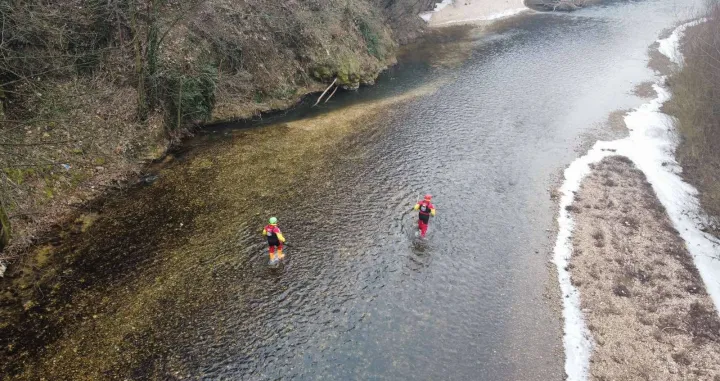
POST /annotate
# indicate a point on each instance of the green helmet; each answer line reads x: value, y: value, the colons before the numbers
x: 273, y: 220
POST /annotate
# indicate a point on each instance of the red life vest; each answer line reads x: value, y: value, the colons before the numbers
x: 425, y: 207
x: 272, y: 234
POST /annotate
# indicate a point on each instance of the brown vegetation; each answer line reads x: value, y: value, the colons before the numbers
x: 89, y: 90
x: 645, y: 90
x: 695, y: 102
x: 643, y: 299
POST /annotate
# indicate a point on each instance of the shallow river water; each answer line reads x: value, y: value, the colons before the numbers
x: 186, y: 292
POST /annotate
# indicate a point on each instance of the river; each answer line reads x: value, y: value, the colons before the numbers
x: 172, y: 282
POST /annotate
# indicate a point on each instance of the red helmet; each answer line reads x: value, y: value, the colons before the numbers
x: 428, y: 197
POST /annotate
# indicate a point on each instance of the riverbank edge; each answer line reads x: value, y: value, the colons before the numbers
x: 65, y: 214
x: 650, y: 147
x: 693, y: 111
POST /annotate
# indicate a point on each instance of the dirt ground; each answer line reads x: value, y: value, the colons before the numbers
x: 644, y: 302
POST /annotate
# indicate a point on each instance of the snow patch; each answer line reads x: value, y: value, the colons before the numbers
x: 494, y: 16
x: 651, y: 146
x: 3, y: 267
x: 444, y: 3
x: 438, y: 7
x: 670, y: 47
x: 576, y: 341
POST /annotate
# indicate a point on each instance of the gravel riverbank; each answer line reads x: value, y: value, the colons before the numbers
x: 642, y: 297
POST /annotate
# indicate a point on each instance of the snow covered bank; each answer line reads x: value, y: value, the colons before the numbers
x: 678, y: 197
x: 670, y: 47
x: 576, y: 340
x: 471, y: 11
x: 650, y: 145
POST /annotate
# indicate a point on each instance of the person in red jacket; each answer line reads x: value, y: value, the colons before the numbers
x: 426, y: 209
x: 275, y: 240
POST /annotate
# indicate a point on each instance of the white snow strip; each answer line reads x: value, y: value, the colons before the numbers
x: 577, y: 342
x: 494, y: 16
x: 680, y: 198
x: 3, y: 267
x: 651, y: 146
x: 438, y: 7
x: 670, y: 46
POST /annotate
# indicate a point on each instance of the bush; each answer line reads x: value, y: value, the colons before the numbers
x: 188, y: 99
x: 372, y: 40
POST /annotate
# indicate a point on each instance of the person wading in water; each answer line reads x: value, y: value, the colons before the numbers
x: 426, y: 209
x: 275, y: 240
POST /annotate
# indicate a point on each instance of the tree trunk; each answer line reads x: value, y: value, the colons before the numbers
x: 139, y: 65
x: 4, y: 226
x: 151, y: 53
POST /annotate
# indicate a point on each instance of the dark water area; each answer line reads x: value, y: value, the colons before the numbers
x: 360, y: 296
